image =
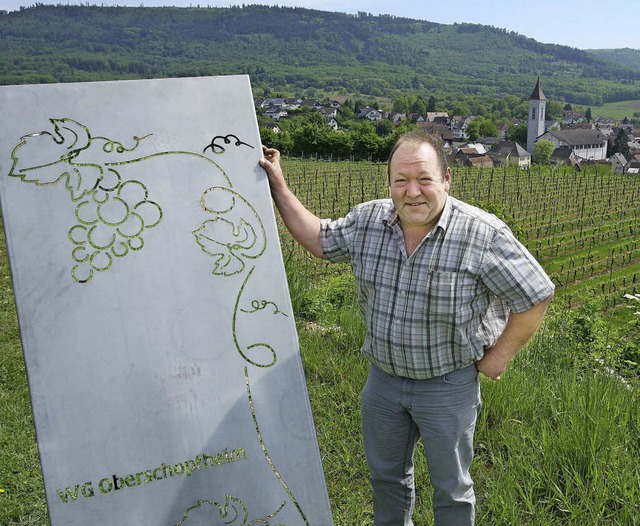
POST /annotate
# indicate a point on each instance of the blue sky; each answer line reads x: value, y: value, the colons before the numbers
x: 584, y: 24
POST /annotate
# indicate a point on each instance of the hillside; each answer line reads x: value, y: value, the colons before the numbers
x: 627, y: 57
x: 299, y: 51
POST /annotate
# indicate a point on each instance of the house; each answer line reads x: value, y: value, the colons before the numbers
x: 618, y: 162
x: 552, y: 125
x: 625, y: 165
x: 462, y: 155
x: 327, y: 103
x: 329, y: 112
x: 273, y: 127
x: 601, y: 121
x: 477, y: 146
x: 590, y: 145
x: 472, y: 155
x: 311, y: 103
x: 397, y: 117
x: 480, y: 161
x: 292, y: 103
x: 458, y: 128
x: 276, y: 113
x: 510, y: 153
x: 564, y: 156
x: 456, y: 120
x: 459, y: 131
x: 433, y: 115
x: 273, y: 102
x: 441, y: 120
x: 370, y: 113
x: 634, y: 166
x: 607, y: 130
x: 332, y: 123
x: 488, y: 142
x: 441, y: 131
x: 572, y: 117
x: 503, y: 129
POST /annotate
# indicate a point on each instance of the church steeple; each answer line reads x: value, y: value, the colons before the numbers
x: 537, y: 115
x: 537, y: 92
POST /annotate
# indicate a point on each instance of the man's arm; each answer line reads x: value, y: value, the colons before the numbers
x: 303, y: 225
x: 520, y: 327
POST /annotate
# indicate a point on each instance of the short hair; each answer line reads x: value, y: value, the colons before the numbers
x: 417, y: 137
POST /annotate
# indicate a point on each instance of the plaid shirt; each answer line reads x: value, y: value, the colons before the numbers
x: 434, y: 311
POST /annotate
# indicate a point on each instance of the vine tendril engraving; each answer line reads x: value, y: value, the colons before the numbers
x: 258, y: 305
x: 226, y: 139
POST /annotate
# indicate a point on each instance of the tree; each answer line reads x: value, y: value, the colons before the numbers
x: 620, y: 144
x: 542, y: 151
x: 312, y: 136
x: 366, y: 143
x: 587, y: 114
x: 384, y: 127
x: 419, y: 106
x: 488, y: 129
x: 401, y: 105
x: 481, y: 127
x: 473, y: 128
x: 518, y: 133
x: 554, y: 110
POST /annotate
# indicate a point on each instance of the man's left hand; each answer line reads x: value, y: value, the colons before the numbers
x: 492, y: 365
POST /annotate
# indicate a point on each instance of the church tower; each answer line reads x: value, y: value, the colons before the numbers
x: 537, y: 114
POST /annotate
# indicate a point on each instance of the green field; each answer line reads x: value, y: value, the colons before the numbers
x: 557, y: 440
x: 617, y: 110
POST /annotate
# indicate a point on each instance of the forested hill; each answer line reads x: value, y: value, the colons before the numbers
x: 624, y: 56
x: 299, y: 51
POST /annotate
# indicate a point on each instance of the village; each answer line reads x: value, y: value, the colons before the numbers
x: 576, y: 139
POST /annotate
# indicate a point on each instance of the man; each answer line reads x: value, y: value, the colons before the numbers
x: 446, y: 291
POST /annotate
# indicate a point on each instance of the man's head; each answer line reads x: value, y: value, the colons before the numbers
x: 419, y: 179
x: 418, y: 137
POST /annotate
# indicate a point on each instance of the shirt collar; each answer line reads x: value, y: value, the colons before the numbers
x: 446, y: 214
x: 390, y: 219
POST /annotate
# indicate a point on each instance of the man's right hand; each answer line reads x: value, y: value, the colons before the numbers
x: 303, y: 225
x: 271, y: 164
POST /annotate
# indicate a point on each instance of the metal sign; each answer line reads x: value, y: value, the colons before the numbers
x: 158, y: 334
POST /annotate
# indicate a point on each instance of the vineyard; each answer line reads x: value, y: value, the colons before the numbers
x: 583, y: 227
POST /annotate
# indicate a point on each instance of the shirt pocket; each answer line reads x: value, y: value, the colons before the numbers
x: 449, y: 296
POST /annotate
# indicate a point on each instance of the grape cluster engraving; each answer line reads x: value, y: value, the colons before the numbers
x: 111, y: 214
x: 111, y: 222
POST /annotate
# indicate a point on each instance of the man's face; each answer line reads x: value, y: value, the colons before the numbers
x: 418, y: 186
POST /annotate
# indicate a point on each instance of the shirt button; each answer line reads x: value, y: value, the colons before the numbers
x: 402, y: 292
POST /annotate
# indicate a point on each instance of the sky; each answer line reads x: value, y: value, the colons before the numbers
x: 583, y: 24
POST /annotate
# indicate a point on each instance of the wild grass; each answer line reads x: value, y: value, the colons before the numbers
x: 557, y: 441
x: 22, y: 500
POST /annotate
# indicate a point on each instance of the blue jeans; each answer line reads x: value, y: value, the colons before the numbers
x: 396, y: 412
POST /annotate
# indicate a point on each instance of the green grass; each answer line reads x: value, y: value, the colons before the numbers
x: 617, y: 110
x: 22, y: 500
x: 557, y: 441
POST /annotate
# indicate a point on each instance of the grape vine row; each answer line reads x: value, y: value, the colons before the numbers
x: 583, y: 226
